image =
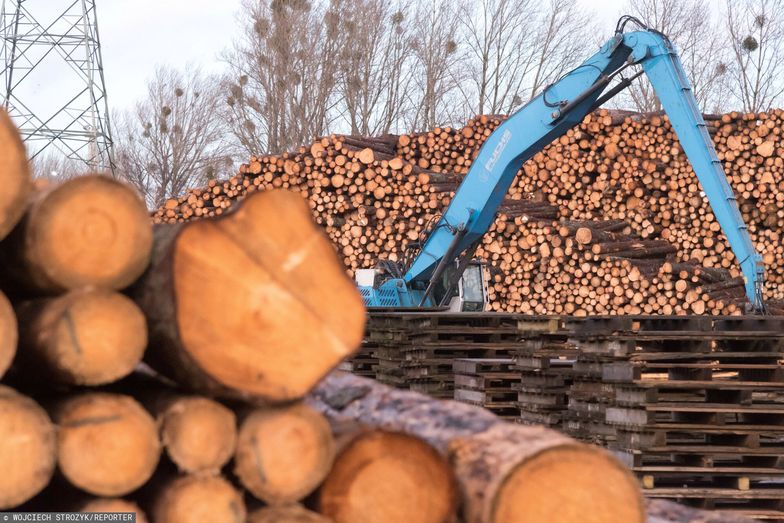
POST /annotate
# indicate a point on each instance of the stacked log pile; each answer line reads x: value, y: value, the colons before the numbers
x: 658, y: 249
x: 217, y: 425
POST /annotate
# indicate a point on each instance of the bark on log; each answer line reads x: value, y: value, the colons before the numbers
x: 662, y: 511
x: 197, y: 499
x: 199, y: 434
x: 84, y: 337
x: 9, y: 334
x: 506, y: 472
x: 235, y: 307
x: 385, y: 476
x: 286, y: 514
x: 15, y: 176
x: 28, y: 445
x: 91, y: 230
x: 107, y: 443
x: 283, y: 453
x: 114, y: 505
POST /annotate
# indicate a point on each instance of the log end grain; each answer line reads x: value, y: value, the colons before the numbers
x: 86, y: 337
x: 199, y: 434
x: 91, y: 230
x: 388, y: 477
x: 263, y: 305
x: 283, y: 454
x: 27, y: 448
x: 286, y: 514
x: 540, y: 475
x: 8, y: 334
x: 114, y: 505
x: 15, y: 176
x: 596, y: 490
x: 107, y: 443
x: 196, y: 499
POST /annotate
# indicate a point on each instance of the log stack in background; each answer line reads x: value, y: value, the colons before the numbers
x: 618, y: 172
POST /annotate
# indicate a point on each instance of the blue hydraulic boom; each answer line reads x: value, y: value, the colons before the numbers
x: 562, y: 105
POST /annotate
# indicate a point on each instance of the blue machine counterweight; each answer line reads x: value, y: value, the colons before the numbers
x: 444, y: 255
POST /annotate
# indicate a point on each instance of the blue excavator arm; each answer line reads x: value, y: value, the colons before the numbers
x: 561, y: 106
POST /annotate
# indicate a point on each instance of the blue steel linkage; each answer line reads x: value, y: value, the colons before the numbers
x: 562, y: 106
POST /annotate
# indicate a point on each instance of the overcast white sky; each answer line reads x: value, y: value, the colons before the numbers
x: 137, y: 35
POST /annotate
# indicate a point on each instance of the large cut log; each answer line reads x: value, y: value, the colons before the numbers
x: 113, y: 505
x: 252, y: 303
x: 197, y: 499
x: 15, y: 176
x: 286, y: 514
x: 387, y: 477
x: 283, y: 453
x: 8, y: 334
x: 84, y: 337
x: 28, y: 447
x: 199, y: 434
x: 91, y: 230
x: 107, y: 443
x: 506, y: 472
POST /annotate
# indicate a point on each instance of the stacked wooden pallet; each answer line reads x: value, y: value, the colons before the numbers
x: 488, y: 382
x: 545, y: 363
x: 587, y: 228
x: 697, y: 408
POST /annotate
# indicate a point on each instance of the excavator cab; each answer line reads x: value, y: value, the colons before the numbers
x: 470, y: 293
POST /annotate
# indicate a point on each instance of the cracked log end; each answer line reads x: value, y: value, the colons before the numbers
x: 259, y: 303
x: 283, y: 454
x: 85, y: 337
x: 385, y: 477
x: 107, y: 443
x: 199, y: 434
x: 27, y: 448
x: 198, y: 499
x: 15, y: 176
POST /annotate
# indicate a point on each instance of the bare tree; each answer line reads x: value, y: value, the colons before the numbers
x: 689, y: 25
x: 284, y: 73
x: 516, y: 47
x: 435, y: 71
x: 756, y: 30
x: 55, y: 166
x: 497, y: 36
x: 173, y: 139
x: 561, y: 43
x: 374, y: 65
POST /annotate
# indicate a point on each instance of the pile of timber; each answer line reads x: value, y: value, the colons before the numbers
x: 652, y: 244
x: 234, y: 415
x: 692, y: 404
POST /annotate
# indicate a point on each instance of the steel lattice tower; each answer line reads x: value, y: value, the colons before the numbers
x: 52, y: 79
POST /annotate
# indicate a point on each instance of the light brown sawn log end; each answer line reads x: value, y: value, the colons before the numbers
x: 199, y: 434
x: 283, y: 453
x: 114, y: 505
x: 263, y: 305
x: 198, y: 499
x: 27, y: 448
x: 15, y: 178
x: 90, y: 230
x: 107, y: 443
x: 9, y: 334
x: 384, y: 476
